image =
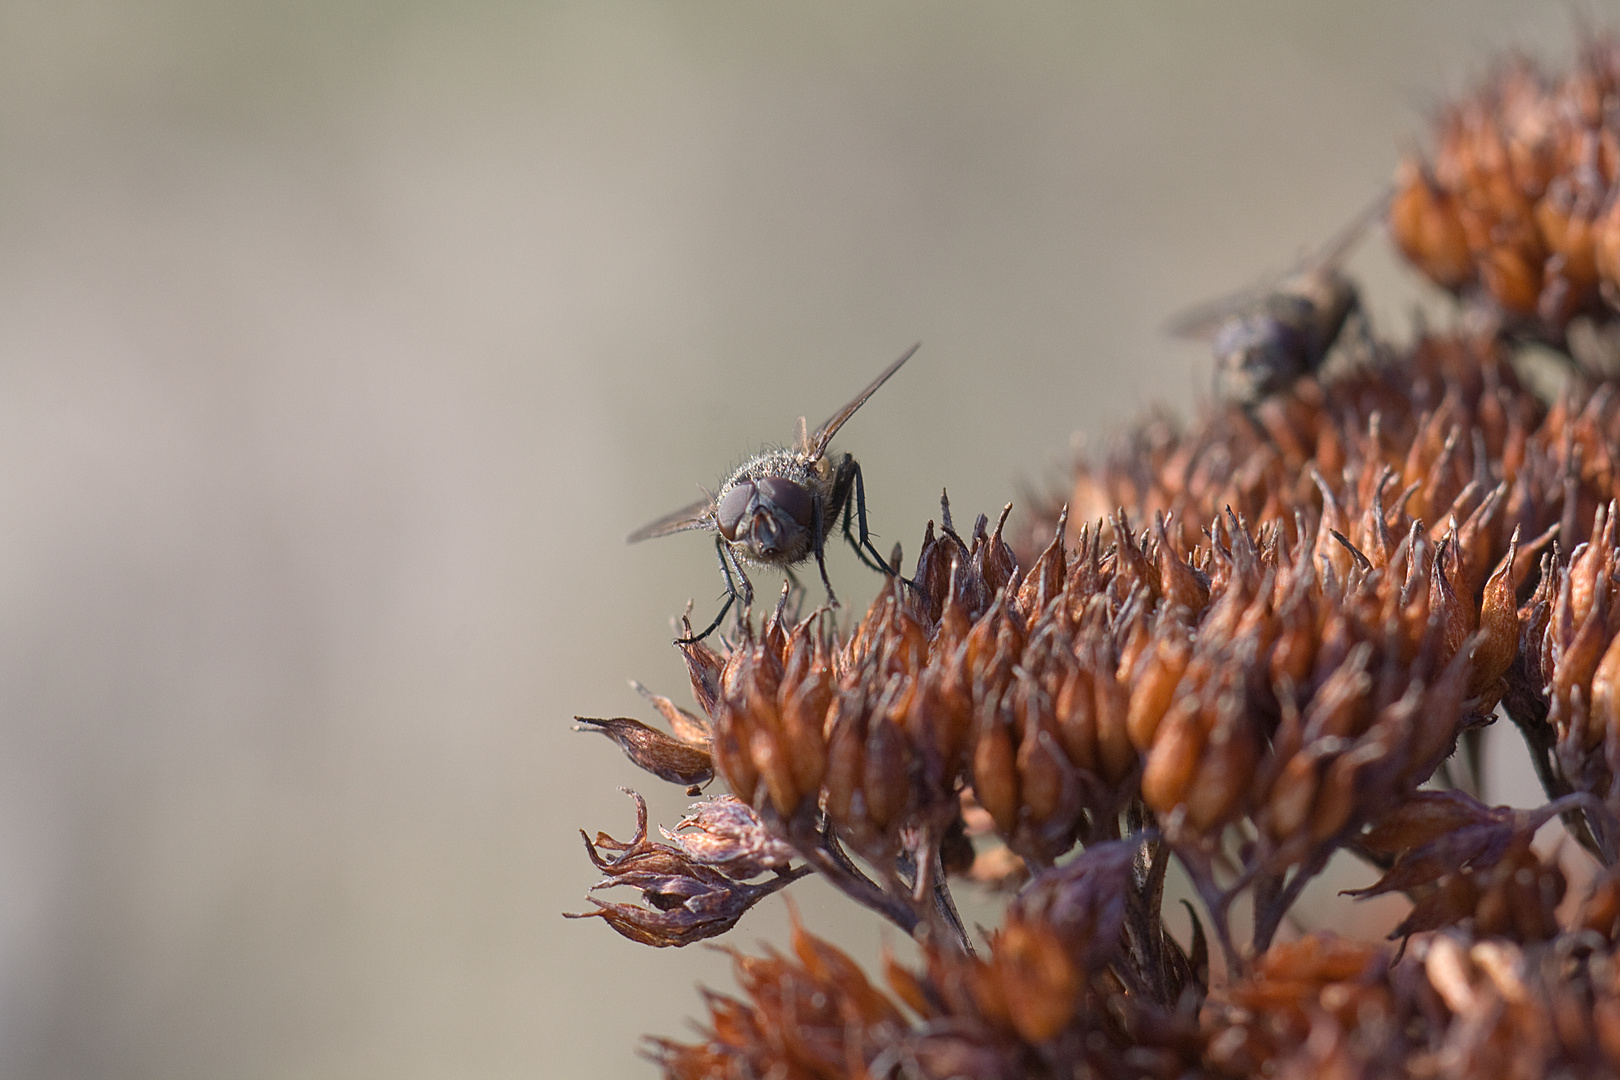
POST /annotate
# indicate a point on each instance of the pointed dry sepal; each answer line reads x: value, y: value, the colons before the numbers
x: 1461, y: 860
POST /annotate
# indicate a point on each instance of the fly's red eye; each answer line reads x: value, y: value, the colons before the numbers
x: 729, y: 514
x: 787, y: 495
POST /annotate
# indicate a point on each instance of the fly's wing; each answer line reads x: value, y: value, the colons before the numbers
x: 699, y: 515
x: 817, y: 443
x: 1200, y: 323
x: 1332, y: 253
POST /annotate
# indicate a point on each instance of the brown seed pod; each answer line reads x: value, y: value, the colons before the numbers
x: 1423, y: 222
x: 1499, y: 629
x: 1153, y: 686
x: 1171, y: 761
x: 1036, y: 979
x: 665, y: 757
x: 995, y: 771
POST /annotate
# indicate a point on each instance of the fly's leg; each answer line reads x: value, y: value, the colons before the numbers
x: 849, y: 492
x: 848, y: 499
x: 728, y: 562
x: 818, y: 535
x: 792, y: 588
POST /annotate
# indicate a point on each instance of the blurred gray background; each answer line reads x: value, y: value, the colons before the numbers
x: 341, y: 343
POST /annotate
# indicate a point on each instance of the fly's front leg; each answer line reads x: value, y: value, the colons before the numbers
x: 746, y: 593
x: 818, y: 536
x: 747, y: 590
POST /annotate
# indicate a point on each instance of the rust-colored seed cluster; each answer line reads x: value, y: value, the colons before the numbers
x: 1245, y: 645
x: 1517, y: 204
x: 1456, y: 1006
x: 1303, y: 677
x: 1569, y: 652
x: 1056, y: 991
x: 1462, y: 438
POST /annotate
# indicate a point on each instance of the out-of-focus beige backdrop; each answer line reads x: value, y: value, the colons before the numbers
x: 341, y: 343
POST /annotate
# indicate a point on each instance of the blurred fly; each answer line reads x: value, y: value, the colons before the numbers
x: 779, y: 506
x: 1267, y: 337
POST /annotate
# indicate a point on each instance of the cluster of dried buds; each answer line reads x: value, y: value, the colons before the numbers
x: 1062, y: 988
x: 699, y: 887
x: 1305, y: 677
x: 1445, y: 430
x: 1064, y: 992
x: 1252, y: 699
x: 1458, y: 1006
x: 1247, y: 645
x: 1564, y: 688
x: 1516, y: 208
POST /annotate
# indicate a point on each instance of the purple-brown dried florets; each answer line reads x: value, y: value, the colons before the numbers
x: 728, y: 835
x: 1053, y: 991
x: 687, y: 900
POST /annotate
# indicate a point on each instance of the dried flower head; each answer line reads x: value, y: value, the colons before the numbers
x: 1515, y: 209
x: 687, y: 900
x: 1248, y: 644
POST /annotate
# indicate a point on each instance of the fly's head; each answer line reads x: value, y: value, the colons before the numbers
x: 768, y: 519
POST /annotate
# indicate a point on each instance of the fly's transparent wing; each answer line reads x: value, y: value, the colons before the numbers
x: 1332, y: 253
x: 699, y: 515
x: 817, y: 443
x: 1201, y: 321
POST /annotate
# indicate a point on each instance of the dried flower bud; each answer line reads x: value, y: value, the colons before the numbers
x: 727, y: 835
x: 1154, y: 685
x: 1499, y: 626
x: 995, y: 771
x: 1083, y: 902
x: 1176, y: 750
x: 1424, y: 223
x: 688, y: 901
x: 650, y: 749
x: 1425, y: 817
x: 703, y: 665
x: 1037, y: 978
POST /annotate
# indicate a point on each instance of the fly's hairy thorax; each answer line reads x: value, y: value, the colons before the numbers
x: 779, y: 462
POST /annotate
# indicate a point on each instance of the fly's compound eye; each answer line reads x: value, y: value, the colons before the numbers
x: 788, y: 496
x: 729, y: 514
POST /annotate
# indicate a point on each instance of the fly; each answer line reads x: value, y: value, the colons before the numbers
x: 1266, y: 338
x: 778, y: 508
